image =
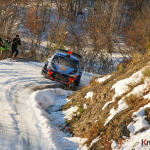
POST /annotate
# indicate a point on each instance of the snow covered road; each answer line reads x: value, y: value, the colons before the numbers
x: 23, y: 122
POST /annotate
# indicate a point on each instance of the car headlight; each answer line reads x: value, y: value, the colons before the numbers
x: 49, y: 67
x: 74, y: 76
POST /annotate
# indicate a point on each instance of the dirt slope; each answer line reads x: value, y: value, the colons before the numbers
x: 89, y: 122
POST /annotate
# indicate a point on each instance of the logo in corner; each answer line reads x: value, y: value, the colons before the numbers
x: 145, y: 142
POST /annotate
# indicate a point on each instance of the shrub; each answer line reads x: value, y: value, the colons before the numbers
x: 94, y: 81
x: 148, y: 45
x: 146, y: 72
x: 120, y: 67
x: 131, y: 99
x: 137, y: 56
x: 147, y: 113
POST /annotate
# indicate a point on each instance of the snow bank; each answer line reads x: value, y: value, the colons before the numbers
x: 122, y: 86
x: 136, y: 142
x: 47, y: 97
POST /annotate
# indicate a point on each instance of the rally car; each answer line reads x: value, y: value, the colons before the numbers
x: 64, y: 66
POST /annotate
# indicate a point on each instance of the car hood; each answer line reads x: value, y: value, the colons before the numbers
x: 64, y: 69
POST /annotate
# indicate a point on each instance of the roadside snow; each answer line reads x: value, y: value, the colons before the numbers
x: 31, y: 110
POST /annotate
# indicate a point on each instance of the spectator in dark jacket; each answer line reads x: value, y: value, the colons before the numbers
x: 16, y: 41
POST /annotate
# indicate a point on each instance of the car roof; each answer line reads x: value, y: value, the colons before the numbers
x: 71, y: 56
x: 70, y: 52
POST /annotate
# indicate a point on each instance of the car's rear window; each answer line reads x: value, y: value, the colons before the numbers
x: 66, y: 61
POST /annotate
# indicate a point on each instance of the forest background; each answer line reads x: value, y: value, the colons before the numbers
x: 96, y: 29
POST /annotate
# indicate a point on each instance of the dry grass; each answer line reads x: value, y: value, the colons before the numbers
x: 147, y: 113
x: 94, y: 131
x: 132, y: 85
x: 137, y: 56
x: 116, y: 101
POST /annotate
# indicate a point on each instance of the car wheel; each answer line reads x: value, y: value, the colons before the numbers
x: 67, y: 87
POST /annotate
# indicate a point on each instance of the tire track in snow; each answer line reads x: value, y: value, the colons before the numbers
x: 18, y: 127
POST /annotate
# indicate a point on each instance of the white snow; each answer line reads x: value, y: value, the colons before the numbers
x: 103, y: 78
x: 30, y: 108
x: 135, y: 141
x: 85, y: 106
x: 139, y: 120
x: 122, y: 86
x: 70, y: 112
x: 89, y: 94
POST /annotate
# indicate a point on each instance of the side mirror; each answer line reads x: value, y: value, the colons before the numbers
x: 82, y: 68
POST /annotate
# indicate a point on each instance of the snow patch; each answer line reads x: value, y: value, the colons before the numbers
x: 121, y: 106
x: 103, y: 78
x: 89, y: 94
x: 85, y: 106
x: 70, y: 112
x: 139, y: 120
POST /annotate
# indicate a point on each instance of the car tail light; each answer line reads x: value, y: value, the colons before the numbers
x: 69, y: 52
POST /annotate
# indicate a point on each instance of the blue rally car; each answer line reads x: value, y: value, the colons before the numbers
x: 64, y: 67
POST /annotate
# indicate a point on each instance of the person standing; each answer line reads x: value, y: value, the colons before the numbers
x: 2, y: 47
x: 16, y: 41
x: 7, y: 43
x: 6, y: 50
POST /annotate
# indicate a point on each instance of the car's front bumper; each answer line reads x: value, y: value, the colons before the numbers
x: 56, y: 76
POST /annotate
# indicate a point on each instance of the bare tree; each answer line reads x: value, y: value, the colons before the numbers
x: 10, y: 14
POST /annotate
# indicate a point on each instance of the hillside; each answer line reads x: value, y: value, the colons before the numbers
x: 114, y: 111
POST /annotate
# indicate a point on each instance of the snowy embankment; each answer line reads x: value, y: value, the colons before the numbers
x: 30, y: 115
x: 138, y: 139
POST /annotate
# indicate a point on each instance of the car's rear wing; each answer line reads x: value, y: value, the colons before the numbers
x: 70, y: 52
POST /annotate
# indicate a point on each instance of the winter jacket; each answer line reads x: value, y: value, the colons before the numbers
x: 6, y: 45
x: 16, y: 42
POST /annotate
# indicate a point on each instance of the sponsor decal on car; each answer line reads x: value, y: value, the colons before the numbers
x: 63, y: 68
